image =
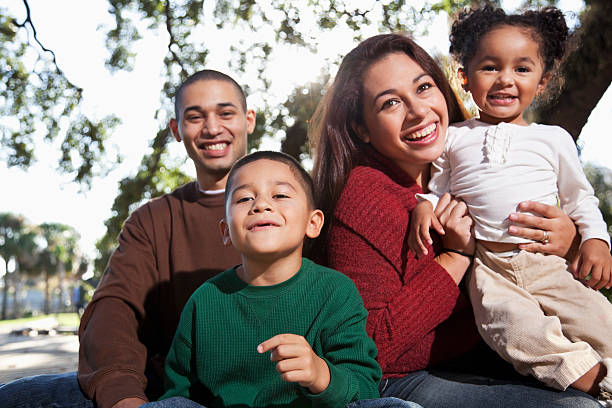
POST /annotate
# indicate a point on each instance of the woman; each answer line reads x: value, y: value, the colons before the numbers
x: 380, y: 126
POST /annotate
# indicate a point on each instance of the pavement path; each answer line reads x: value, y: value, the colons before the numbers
x: 26, y: 355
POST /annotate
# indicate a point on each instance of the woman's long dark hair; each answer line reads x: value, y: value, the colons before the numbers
x: 332, y: 134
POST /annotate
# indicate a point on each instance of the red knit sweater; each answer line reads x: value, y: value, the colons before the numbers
x: 417, y: 315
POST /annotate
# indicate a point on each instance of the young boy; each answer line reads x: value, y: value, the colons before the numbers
x: 277, y: 330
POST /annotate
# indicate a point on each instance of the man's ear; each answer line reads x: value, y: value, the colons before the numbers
x: 174, y: 129
x: 361, y: 132
x: 315, y: 223
x: 543, y: 82
x: 227, y: 241
x: 251, y: 120
x: 463, y: 79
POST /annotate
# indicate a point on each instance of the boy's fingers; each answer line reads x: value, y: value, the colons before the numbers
x: 285, y: 351
x: 275, y: 341
x: 290, y: 364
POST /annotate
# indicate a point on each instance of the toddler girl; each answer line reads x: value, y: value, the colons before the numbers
x: 528, y: 307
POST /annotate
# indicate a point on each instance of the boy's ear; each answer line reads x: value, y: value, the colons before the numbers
x: 315, y: 223
x: 362, y: 133
x: 174, y: 129
x: 463, y: 79
x: 227, y: 241
x: 543, y: 82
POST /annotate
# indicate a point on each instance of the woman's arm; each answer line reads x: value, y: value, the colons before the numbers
x: 407, y: 304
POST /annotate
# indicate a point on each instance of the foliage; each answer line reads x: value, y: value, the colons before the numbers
x: 39, y: 99
x: 48, y: 249
x: 17, y: 242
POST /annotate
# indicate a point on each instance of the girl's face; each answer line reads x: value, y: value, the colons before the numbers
x: 505, y: 74
x: 405, y: 114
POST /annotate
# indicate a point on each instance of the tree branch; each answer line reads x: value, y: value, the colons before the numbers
x: 175, y: 57
x: 28, y: 22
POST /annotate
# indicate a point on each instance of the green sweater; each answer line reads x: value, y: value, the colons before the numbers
x: 214, y: 360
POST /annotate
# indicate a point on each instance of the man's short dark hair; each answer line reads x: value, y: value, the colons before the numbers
x: 207, y: 75
x: 296, y: 168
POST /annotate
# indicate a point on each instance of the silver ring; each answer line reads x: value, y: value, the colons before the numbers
x: 546, y: 238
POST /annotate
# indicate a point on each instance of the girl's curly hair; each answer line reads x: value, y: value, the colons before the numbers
x: 547, y: 25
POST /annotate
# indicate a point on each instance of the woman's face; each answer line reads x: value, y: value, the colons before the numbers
x: 405, y: 113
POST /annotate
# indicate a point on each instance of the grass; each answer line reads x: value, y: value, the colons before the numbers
x: 63, y: 319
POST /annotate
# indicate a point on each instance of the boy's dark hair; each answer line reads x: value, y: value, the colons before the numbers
x: 547, y: 25
x: 296, y: 168
x: 207, y: 75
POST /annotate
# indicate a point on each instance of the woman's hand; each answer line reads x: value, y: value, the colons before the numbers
x: 553, y: 231
x: 454, y: 217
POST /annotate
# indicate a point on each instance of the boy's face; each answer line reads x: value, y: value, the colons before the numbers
x: 267, y: 212
x: 213, y: 126
x: 505, y: 74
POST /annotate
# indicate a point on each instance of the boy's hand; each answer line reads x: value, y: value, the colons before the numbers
x: 594, y: 259
x: 296, y: 362
x: 422, y: 218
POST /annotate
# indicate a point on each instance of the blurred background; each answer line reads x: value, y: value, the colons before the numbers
x: 86, y: 94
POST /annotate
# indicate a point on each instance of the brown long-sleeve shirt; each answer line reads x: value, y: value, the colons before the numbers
x: 167, y: 249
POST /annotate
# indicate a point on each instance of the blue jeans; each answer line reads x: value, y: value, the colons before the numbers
x: 434, y: 389
x: 44, y: 391
x: 180, y: 402
x: 383, y: 403
x: 174, y: 402
x: 62, y: 391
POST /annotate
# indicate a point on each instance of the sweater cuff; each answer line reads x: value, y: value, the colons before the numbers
x: 335, y: 394
x: 117, y: 386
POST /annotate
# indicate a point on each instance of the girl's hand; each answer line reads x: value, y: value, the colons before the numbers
x: 296, y: 362
x: 457, y: 223
x: 563, y: 240
x: 455, y: 218
x: 594, y: 264
x: 422, y: 218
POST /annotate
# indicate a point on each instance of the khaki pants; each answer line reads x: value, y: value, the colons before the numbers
x: 535, y: 315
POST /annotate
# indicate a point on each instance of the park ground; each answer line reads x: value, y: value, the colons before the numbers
x: 39, y: 345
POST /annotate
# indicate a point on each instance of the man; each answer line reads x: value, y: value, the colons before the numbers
x: 167, y: 248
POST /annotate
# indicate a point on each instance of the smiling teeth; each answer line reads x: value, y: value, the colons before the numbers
x: 218, y: 146
x: 422, y: 133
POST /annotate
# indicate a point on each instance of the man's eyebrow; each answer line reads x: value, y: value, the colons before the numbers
x: 220, y: 105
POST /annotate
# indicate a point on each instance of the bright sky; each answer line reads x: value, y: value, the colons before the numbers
x: 69, y: 28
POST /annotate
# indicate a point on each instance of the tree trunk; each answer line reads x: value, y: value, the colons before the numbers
x: 5, y: 290
x: 587, y: 71
x: 46, y: 308
x: 61, y: 282
x: 16, y: 286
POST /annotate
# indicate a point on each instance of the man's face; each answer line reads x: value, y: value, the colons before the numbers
x: 213, y: 126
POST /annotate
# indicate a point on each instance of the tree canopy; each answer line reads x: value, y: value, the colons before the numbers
x: 38, y: 97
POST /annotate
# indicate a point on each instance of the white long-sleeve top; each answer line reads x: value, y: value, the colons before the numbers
x: 495, y: 167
